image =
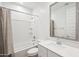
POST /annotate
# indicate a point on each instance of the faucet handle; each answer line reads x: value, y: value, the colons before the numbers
x: 59, y: 41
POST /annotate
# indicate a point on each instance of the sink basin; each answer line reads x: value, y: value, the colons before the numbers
x: 54, y: 44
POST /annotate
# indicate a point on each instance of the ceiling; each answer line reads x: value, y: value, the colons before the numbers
x: 34, y: 5
x: 30, y: 5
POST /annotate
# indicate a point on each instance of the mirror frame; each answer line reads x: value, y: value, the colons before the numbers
x: 52, y: 33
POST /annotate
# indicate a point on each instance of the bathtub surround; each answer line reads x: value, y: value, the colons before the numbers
x: 22, y: 30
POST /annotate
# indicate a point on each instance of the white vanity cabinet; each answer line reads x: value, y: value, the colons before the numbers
x: 49, y: 48
x: 52, y: 54
x: 44, y: 52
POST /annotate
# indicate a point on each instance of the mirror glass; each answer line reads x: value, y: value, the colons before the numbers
x: 63, y: 20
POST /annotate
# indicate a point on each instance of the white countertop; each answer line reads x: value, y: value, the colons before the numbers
x: 62, y: 50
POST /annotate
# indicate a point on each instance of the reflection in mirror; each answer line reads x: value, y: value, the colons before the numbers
x: 63, y: 20
x: 52, y: 28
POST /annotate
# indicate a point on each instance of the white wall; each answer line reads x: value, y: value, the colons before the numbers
x: 43, y: 22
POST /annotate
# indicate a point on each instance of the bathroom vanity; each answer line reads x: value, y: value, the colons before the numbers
x: 49, y: 48
x: 64, y: 24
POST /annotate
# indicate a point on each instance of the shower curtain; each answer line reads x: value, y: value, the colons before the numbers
x: 6, y: 32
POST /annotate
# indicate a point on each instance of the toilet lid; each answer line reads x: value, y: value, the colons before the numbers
x: 32, y: 51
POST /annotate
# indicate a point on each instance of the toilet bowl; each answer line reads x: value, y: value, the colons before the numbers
x: 32, y: 52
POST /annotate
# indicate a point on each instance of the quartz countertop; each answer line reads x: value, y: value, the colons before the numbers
x: 63, y: 49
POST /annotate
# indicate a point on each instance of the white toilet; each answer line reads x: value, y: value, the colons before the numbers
x: 32, y: 52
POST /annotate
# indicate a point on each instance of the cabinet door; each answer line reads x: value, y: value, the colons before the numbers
x: 52, y: 54
x: 42, y: 51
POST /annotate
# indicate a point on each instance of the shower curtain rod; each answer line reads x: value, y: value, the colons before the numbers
x: 19, y: 11
x: 53, y: 4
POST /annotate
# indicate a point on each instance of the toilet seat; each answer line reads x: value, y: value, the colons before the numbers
x: 32, y: 52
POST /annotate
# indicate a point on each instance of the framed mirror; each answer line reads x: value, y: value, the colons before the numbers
x: 64, y: 20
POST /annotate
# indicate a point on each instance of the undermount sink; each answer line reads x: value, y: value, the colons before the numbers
x: 55, y: 44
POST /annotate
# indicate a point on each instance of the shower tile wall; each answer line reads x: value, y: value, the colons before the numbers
x: 22, y: 35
